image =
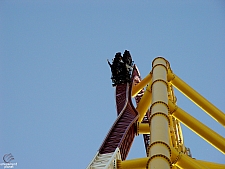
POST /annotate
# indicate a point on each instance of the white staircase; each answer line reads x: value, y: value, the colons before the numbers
x: 105, y: 161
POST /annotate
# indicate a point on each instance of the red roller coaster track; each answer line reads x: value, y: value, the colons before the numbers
x: 122, y: 133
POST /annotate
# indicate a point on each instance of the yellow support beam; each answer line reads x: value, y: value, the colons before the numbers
x: 183, y: 161
x: 144, y: 103
x: 199, y: 100
x: 137, y: 88
x: 139, y: 163
x: 143, y: 128
x: 211, y: 165
x: 196, y: 126
x: 178, y: 159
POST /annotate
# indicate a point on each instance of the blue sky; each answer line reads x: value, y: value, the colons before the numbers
x: 57, y: 103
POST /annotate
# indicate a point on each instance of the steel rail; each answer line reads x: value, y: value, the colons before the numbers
x: 123, y: 131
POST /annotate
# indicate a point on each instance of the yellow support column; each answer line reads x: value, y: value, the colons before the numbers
x: 159, y: 150
x: 199, y: 100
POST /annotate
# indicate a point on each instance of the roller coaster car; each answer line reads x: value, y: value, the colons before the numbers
x: 121, y: 68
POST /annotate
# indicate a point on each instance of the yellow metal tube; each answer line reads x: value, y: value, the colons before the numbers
x: 196, y: 126
x: 199, y: 100
x: 144, y: 103
x: 211, y: 165
x: 139, y: 163
x: 137, y: 88
x: 178, y: 159
x: 159, y: 150
x: 183, y: 161
x: 143, y: 128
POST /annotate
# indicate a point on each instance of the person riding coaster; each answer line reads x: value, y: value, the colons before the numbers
x: 121, y: 68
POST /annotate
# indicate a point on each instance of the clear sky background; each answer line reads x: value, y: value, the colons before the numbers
x: 56, y: 99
